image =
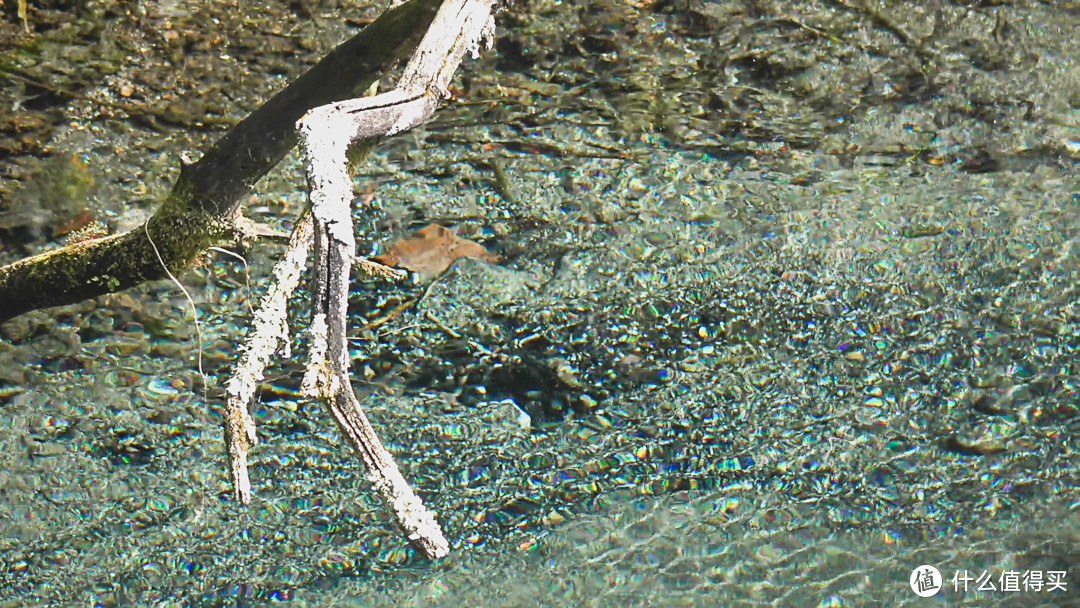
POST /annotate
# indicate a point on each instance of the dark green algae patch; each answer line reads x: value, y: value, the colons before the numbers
x: 752, y: 371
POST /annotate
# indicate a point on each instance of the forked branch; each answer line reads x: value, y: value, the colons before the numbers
x: 204, y: 204
x: 325, y: 136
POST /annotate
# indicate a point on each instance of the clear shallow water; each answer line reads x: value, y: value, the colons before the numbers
x: 810, y: 410
x: 783, y: 375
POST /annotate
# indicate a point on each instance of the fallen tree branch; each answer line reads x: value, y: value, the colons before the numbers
x: 203, y: 207
x: 269, y: 332
x: 326, y: 134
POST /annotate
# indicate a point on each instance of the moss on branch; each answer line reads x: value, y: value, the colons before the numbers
x: 204, y: 202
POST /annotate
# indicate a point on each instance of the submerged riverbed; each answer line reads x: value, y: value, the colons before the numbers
x: 788, y: 293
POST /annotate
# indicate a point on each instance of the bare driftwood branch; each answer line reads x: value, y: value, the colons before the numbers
x: 326, y: 134
x: 203, y: 205
x: 269, y: 332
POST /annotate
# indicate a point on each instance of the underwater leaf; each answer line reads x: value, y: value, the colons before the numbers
x: 431, y: 250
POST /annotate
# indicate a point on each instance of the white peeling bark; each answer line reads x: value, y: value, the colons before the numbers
x: 326, y: 132
x: 269, y: 331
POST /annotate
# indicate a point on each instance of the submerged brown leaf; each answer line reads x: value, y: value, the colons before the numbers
x: 431, y: 250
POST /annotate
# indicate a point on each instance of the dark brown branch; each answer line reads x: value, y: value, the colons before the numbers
x: 229, y: 169
x: 204, y: 201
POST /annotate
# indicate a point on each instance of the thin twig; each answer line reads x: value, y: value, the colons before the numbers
x: 191, y: 302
